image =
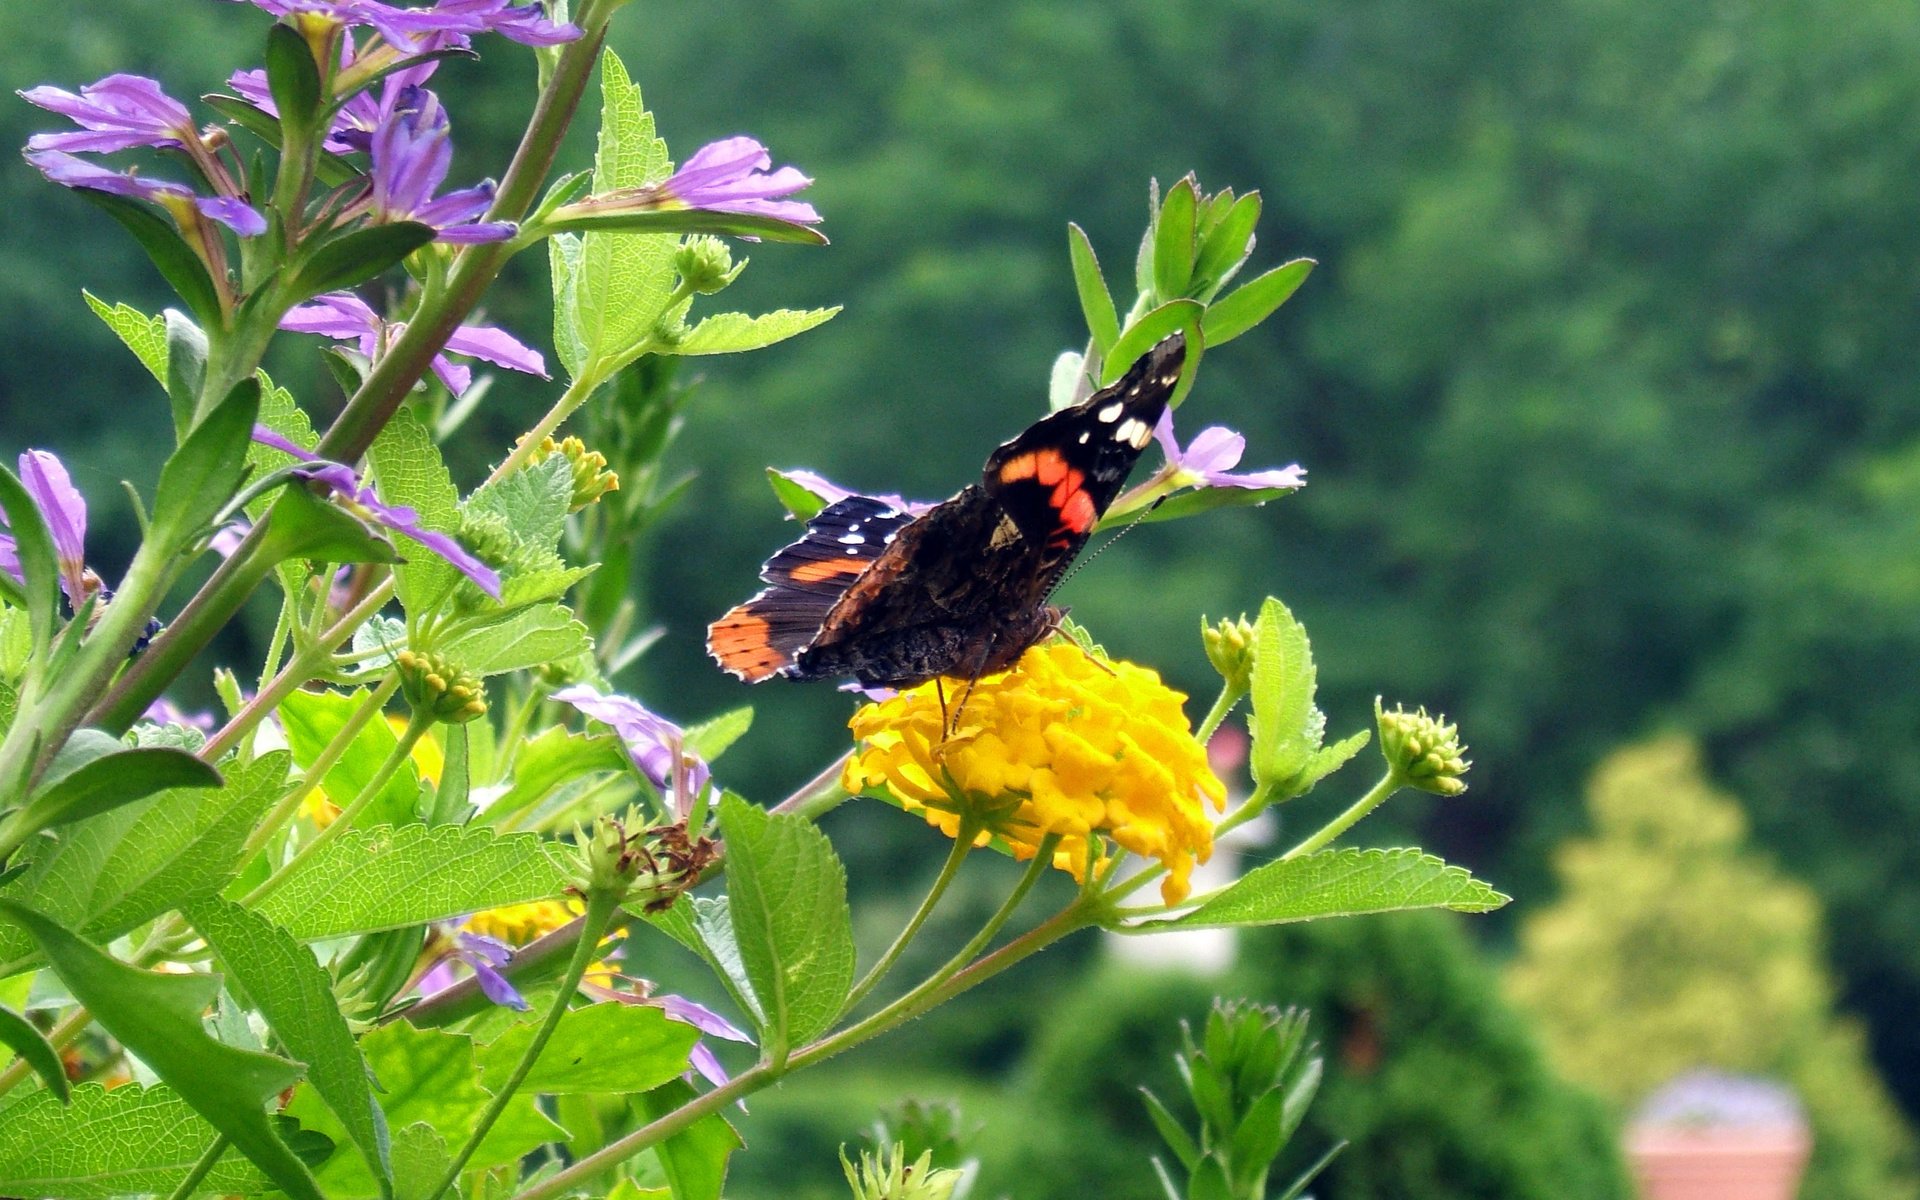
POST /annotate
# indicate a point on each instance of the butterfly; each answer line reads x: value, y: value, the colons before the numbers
x: 893, y: 598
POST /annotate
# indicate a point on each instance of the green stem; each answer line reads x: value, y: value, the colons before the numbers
x: 820, y: 795
x: 418, y: 726
x: 200, y: 1168
x: 576, y: 394
x: 1255, y: 805
x: 1222, y: 705
x: 962, y: 843
x: 1042, y: 859
x: 1388, y: 785
x: 323, y: 763
x: 602, y: 904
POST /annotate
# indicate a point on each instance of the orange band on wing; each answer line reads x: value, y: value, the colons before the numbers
x: 814, y: 572
x: 1077, y: 514
x: 740, y: 643
x: 1018, y: 468
x: 1049, y: 467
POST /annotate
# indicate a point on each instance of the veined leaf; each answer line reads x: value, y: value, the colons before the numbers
x: 385, y: 878
x: 730, y: 333
x: 157, y: 1017
x: 554, y: 758
x: 1253, y: 301
x: 609, y: 1047
x: 313, y: 719
x: 111, y: 780
x: 409, y: 470
x: 701, y: 924
x: 532, y: 502
x: 710, y: 739
x: 145, y: 336
x: 132, y: 1140
x: 284, y: 982
x: 787, y: 902
x: 539, y: 633
x: 1285, y: 731
x: 695, y: 1159
x: 1334, y: 883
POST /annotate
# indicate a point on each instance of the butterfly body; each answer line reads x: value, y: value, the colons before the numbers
x: 892, y: 599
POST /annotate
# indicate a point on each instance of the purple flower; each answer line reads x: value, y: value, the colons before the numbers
x: 655, y: 744
x: 412, y: 150
x: 731, y: 176
x: 404, y: 27
x: 117, y: 113
x: 64, y: 511
x: 165, y: 712
x: 359, y: 499
x: 345, y: 316
x: 1208, y: 459
x: 73, y: 172
x: 685, y: 1011
x: 485, y: 956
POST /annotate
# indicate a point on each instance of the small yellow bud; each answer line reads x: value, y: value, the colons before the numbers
x: 440, y: 688
x: 1424, y: 751
x: 1229, y: 646
x: 591, y: 479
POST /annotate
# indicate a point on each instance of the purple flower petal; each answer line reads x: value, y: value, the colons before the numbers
x: 484, y: 955
x: 703, y: 1060
x: 117, y: 113
x: 700, y: 1017
x: 731, y: 176
x: 654, y: 744
x: 498, y: 347
x: 336, y: 314
x: 65, y: 512
x: 451, y: 19
x: 347, y: 317
x: 412, y: 151
x: 10, y: 557
x: 267, y: 437
x: 68, y: 171
x: 165, y: 712
x: 1207, y: 460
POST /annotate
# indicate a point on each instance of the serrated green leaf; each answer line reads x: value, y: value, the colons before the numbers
x: 546, y: 582
x: 385, y: 878
x: 428, y: 1077
x: 1284, y: 732
x: 145, y: 336
x: 1333, y: 883
x: 109, y: 873
x: 702, y: 925
x: 540, y: 633
x: 157, y: 1017
x: 787, y: 903
x: 111, y: 780
x: 202, y: 475
x: 313, y: 719
x: 420, y: 1162
x: 288, y: 987
x: 532, y: 502
x: 131, y: 1140
x: 563, y: 265
x: 409, y: 470
x: 168, y: 251
x: 1096, y: 302
x: 353, y: 258
x: 24, y: 1038
x: 1324, y: 762
x: 695, y: 1159
x: 731, y: 333
x: 608, y: 1047
x: 550, y: 761
x: 1253, y: 301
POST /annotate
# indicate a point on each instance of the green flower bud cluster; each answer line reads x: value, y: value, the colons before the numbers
x: 1422, y: 751
x: 439, y: 687
x: 1229, y: 647
x: 705, y: 264
x: 591, y: 479
x: 887, y: 1175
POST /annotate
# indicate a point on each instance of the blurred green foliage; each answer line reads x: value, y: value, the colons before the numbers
x: 1605, y: 381
x: 1675, y: 947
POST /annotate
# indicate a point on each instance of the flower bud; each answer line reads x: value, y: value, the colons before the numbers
x: 887, y: 1175
x: 439, y: 687
x: 1229, y: 646
x: 591, y: 479
x: 1422, y: 751
x: 706, y: 264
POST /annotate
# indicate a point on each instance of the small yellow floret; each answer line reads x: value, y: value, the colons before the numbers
x: 1061, y: 744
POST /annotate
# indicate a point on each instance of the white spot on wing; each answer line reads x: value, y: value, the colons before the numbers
x: 853, y: 539
x: 1111, y: 412
x: 1134, y: 432
x: 1084, y: 435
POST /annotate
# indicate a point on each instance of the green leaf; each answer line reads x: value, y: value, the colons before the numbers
x: 353, y: 258
x: 1324, y: 762
x: 609, y: 1047
x: 428, y: 1078
x: 1285, y: 730
x: 1209, y: 1180
x: 145, y: 336
x: 313, y: 719
x: 1206, y: 499
x: 385, y: 878
x: 157, y: 1017
x: 551, y: 760
x: 1259, y: 1137
x: 1096, y: 302
x: 24, y: 1038
x: 289, y: 988
x: 731, y: 333
x: 33, y: 545
x: 1064, y: 380
x: 1173, y: 240
x: 564, y: 253
x: 710, y: 739
x: 111, y: 780
x: 131, y: 1140
x: 695, y: 1159
x: 679, y: 221
x: 1336, y: 883
x: 186, y: 368
x: 169, y: 252
x: 1228, y: 243
x: 307, y: 526
x: 1253, y: 301
x: 204, y: 473
x: 409, y: 470
x: 532, y: 502
x: 702, y: 925
x: 292, y: 77
x: 540, y: 633
x: 420, y: 1162
x: 1177, y: 1138
x: 1146, y: 333
x: 803, y: 503
x: 110, y: 873
x: 787, y: 902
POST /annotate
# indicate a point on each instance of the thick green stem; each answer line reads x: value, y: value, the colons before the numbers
x: 820, y: 795
x: 962, y: 842
x: 601, y: 906
x: 1388, y: 785
x: 200, y: 1168
x: 1222, y: 705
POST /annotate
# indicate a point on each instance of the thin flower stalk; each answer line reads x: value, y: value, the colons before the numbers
x: 1375, y: 797
x: 955, y: 856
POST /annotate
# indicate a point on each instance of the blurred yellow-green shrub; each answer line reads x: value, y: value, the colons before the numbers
x: 1674, y: 945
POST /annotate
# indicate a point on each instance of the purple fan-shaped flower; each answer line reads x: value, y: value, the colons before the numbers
x: 116, y: 113
x: 656, y: 745
x: 64, y: 510
x: 1208, y: 460
x: 484, y: 956
x: 405, y: 27
x: 68, y: 171
x: 731, y: 176
x: 347, y: 488
x: 412, y: 151
x: 347, y: 317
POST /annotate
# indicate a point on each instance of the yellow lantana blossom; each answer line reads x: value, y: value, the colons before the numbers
x: 1060, y: 744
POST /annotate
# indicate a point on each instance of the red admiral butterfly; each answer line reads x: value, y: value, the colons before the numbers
x: 894, y: 599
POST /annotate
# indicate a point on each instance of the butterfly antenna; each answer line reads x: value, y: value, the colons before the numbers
x: 1103, y: 547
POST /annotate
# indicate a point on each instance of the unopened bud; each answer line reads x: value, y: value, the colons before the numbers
x: 1229, y: 646
x: 441, y: 688
x: 1423, y: 751
x: 591, y: 479
x: 706, y: 264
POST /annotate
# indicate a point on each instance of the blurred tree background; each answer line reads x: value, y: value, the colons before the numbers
x: 1605, y: 381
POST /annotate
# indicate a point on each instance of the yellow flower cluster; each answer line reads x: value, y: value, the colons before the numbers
x: 1061, y: 744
